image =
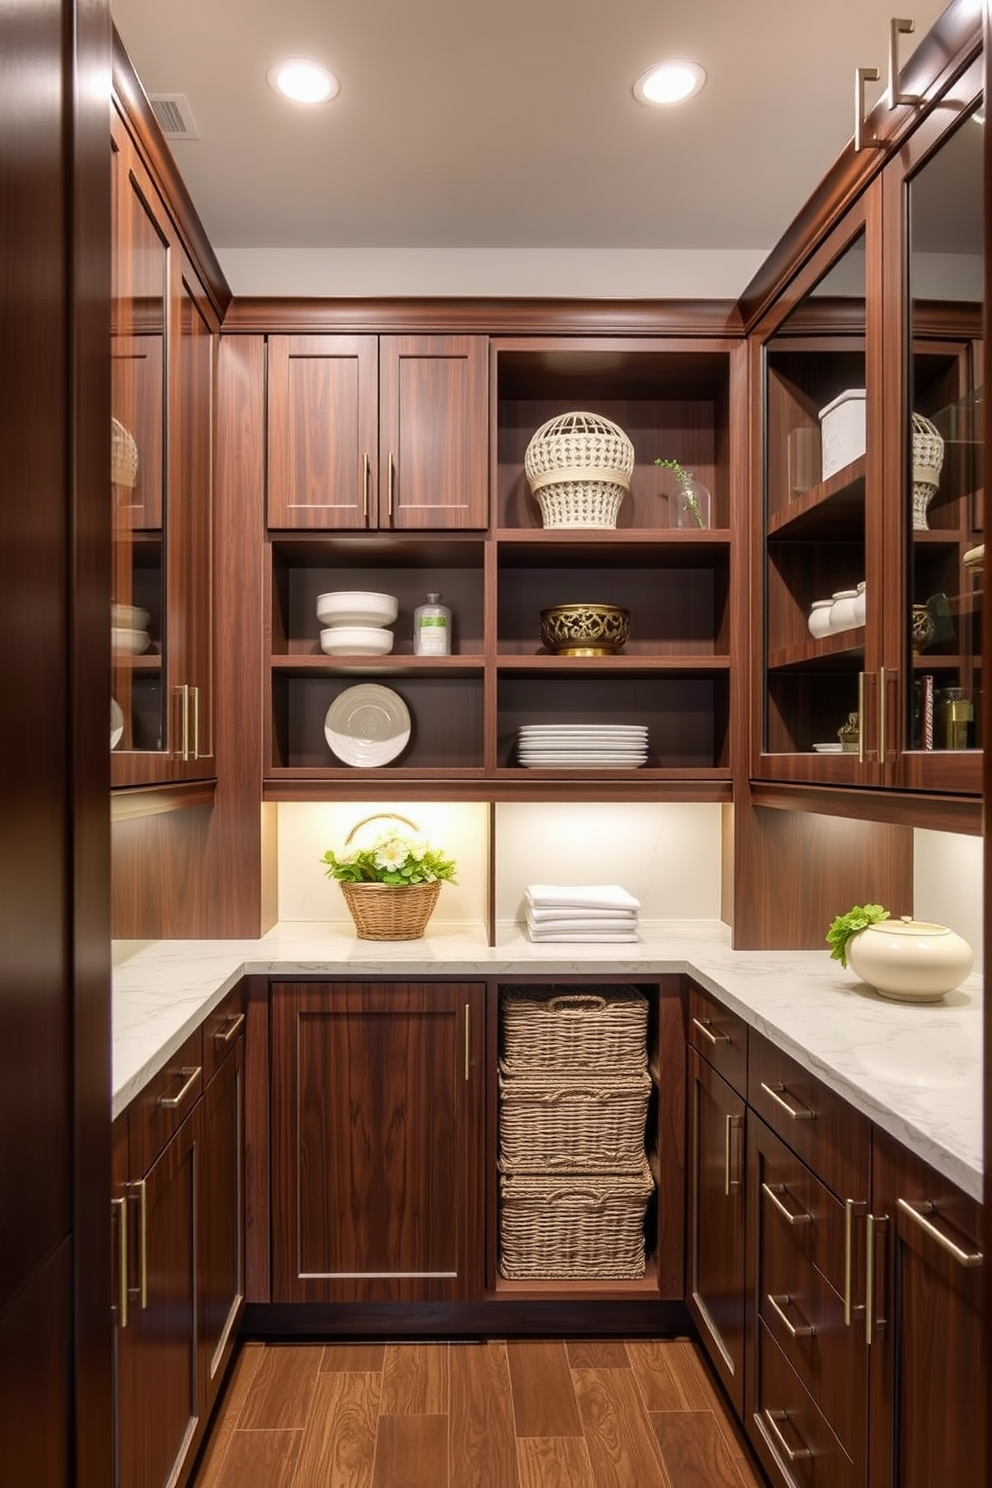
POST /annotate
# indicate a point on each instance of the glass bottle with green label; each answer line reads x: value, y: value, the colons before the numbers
x: 432, y: 628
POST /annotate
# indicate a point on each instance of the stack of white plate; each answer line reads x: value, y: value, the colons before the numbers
x: 595, y: 746
x: 129, y: 630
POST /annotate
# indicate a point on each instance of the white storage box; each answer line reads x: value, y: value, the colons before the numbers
x: 842, y: 430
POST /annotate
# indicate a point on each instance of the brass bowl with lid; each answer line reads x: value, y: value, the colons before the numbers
x: 585, y: 629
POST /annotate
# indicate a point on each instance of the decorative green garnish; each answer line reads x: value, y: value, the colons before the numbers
x: 685, y: 489
x: 844, y: 926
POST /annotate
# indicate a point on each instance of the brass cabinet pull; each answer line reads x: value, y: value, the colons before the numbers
x: 861, y: 718
x: 882, y: 720
x: 390, y: 481
x: 730, y: 1184
x: 366, y: 478
x: 771, y: 1419
x: 805, y: 1330
x: 468, y: 1040
x: 225, y: 1035
x: 171, y: 1102
x: 773, y: 1190
x: 195, y: 691
x: 139, y: 1189
x: 874, y: 1223
x: 120, y: 1205
x: 851, y: 1206
x: 863, y: 75
x: 898, y: 26
x: 182, y: 692
x: 919, y: 1212
x: 776, y: 1093
x: 707, y: 1032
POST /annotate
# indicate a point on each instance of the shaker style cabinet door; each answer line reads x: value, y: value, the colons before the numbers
x: 377, y: 1146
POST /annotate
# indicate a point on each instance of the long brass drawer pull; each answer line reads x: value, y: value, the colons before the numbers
x: 707, y: 1032
x: 390, y: 487
x: 366, y: 474
x: 731, y: 1179
x: 771, y: 1419
x: 919, y: 1212
x: 121, y: 1207
x: 773, y: 1190
x: 172, y: 1102
x: 225, y: 1035
x: 468, y: 1041
x: 851, y: 1207
x: 873, y: 1224
x: 778, y: 1305
x: 803, y: 1113
x: 138, y: 1188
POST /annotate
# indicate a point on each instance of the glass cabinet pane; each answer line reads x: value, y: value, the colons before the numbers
x: 944, y: 466
x: 815, y: 462
x: 139, y: 308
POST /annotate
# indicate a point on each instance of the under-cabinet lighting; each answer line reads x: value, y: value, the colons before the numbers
x: 669, y: 82
x: 302, y: 80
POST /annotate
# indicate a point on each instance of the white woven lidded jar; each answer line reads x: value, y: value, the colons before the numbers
x: 578, y: 467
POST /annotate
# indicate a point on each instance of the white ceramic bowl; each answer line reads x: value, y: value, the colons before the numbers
x: 125, y: 642
x: 843, y: 611
x: 911, y: 960
x: 819, y: 618
x: 356, y: 640
x: 355, y: 608
x: 128, y: 617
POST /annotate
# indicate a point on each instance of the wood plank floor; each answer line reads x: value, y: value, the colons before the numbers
x: 518, y: 1414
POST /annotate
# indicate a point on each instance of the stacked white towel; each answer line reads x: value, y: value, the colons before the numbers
x: 580, y: 912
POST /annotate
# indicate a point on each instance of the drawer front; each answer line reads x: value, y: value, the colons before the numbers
x: 222, y: 1030
x: 792, y: 1438
x: 801, y: 1275
x: 160, y: 1110
x: 820, y: 1127
x: 720, y: 1036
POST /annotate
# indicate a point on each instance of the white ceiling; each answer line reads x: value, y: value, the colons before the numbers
x: 481, y: 130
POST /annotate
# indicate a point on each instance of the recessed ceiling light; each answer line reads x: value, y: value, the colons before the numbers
x: 302, y: 80
x: 669, y: 82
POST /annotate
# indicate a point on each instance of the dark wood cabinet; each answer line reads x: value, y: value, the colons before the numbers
x: 163, y: 347
x: 715, y: 1222
x: 221, y: 1241
x: 377, y: 1141
x: 385, y: 433
x: 928, y: 1366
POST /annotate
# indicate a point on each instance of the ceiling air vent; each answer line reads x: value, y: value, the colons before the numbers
x: 174, y: 115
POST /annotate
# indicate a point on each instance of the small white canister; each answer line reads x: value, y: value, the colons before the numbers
x: 819, y: 618
x: 910, y: 960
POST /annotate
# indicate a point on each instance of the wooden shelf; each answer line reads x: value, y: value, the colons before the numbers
x: 825, y: 509
x: 510, y: 662
x: 830, y: 653
x: 305, y: 664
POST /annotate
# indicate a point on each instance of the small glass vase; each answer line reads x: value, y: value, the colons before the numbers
x: 690, y: 506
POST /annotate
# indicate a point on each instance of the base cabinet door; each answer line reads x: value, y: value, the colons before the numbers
x: 377, y: 1148
x: 716, y: 1222
x: 158, y: 1367
x: 928, y: 1420
x: 221, y: 1271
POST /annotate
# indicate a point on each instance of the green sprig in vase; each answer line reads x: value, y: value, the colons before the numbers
x: 690, y: 506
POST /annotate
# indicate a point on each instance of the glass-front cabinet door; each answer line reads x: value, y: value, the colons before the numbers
x: 821, y: 553
x: 935, y: 532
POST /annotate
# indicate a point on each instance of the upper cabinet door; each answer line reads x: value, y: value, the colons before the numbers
x: 935, y: 225
x: 323, y: 431
x: 433, y: 441
x: 377, y: 434
x: 822, y: 524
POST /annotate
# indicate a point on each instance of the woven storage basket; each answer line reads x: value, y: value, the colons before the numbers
x: 557, y: 1028
x: 578, y: 466
x: 123, y: 455
x: 589, y: 1225
x: 385, y: 912
x: 928, y: 458
x: 558, y: 1124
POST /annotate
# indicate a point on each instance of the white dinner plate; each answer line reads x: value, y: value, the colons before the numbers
x: 828, y: 748
x: 116, y: 723
x: 571, y: 762
x: 367, y: 725
x: 557, y: 730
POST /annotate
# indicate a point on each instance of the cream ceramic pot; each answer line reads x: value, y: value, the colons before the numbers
x: 910, y: 960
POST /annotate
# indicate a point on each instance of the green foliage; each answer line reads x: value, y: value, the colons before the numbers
x: 844, y: 926
x: 685, y: 488
x: 393, y: 858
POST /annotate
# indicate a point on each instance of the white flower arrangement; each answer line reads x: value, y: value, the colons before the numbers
x: 394, y: 858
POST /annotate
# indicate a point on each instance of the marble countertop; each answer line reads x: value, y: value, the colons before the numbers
x: 915, y: 1070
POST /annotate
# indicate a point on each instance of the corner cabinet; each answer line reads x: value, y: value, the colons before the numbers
x: 377, y: 433
x: 163, y: 345
x: 377, y: 1145
x: 675, y: 398
x: 868, y: 376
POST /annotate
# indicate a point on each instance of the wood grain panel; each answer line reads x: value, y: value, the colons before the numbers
x: 35, y: 1379
x: 279, y: 1395
x: 412, y: 1450
x: 353, y: 1358
x: 596, y: 1353
x: 340, y: 1446
x: 554, y: 1462
x: 694, y: 1450
x: 669, y: 1059
x: 481, y: 1430
x: 622, y: 1447
x: 669, y: 1374
x: 261, y: 1459
x: 543, y: 1397
x: 415, y: 1380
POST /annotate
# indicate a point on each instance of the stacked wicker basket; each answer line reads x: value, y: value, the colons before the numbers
x: 573, y: 1099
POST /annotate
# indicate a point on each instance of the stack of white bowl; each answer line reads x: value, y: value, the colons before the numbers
x: 355, y: 622
x: 129, y: 630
